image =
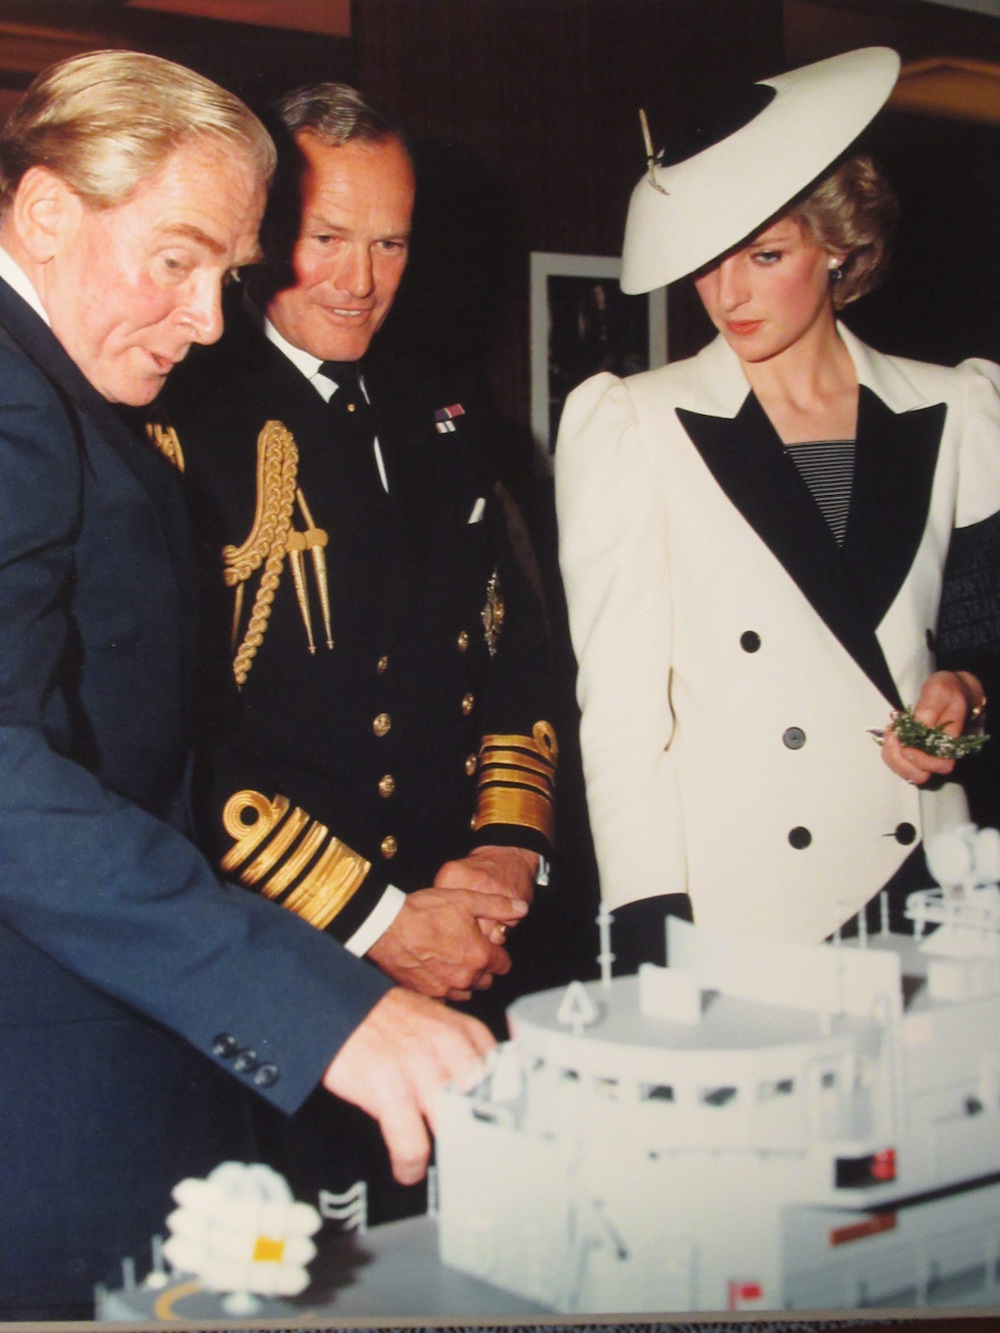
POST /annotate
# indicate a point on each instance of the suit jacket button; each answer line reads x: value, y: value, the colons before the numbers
x: 245, y: 1062
x: 905, y: 833
x: 382, y: 665
x: 381, y: 724
x: 471, y: 763
x: 389, y: 847
x: 266, y: 1076
x: 463, y: 641
x: 386, y: 785
x: 468, y: 703
x: 749, y: 641
x: 224, y: 1046
x: 794, y: 738
x: 800, y: 838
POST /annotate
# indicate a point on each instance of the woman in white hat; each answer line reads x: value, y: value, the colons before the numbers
x: 752, y: 540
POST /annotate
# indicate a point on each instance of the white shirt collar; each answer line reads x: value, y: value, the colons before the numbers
x: 304, y: 361
x: 310, y: 367
x: 14, y: 276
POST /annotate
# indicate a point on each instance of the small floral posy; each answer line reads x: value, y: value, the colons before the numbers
x: 932, y: 740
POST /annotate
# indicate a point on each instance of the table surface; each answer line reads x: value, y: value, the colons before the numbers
x: 392, y: 1271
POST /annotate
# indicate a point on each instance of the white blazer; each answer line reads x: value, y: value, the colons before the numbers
x: 732, y: 658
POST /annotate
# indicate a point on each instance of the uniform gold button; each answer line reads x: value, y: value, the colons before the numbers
x: 386, y: 785
x: 389, y: 847
x: 382, y: 665
x: 463, y: 641
x: 468, y: 702
x: 382, y: 724
x: 470, y: 764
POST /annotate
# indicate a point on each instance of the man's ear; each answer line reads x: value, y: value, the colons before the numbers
x: 45, y: 212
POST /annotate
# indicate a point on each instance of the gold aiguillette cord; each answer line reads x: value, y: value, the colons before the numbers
x: 316, y: 539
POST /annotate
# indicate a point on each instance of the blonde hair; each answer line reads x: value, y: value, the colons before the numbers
x: 106, y: 121
x: 852, y: 212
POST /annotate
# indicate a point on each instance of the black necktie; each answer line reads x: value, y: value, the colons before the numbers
x: 349, y: 403
x: 354, y: 432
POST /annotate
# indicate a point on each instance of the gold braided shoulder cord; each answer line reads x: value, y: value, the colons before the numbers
x: 277, y: 468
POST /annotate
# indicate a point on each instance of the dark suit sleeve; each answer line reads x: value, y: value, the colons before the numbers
x: 519, y: 751
x: 106, y: 889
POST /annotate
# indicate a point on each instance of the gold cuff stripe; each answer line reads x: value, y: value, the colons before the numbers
x: 265, y: 861
x: 541, y: 743
x: 297, y: 861
x: 494, y: 758
x: 331, y: 884
x: 516, y: 779
x: 248, y: 837
x: 508, y: 776
x: 514, y: 805
x: 300, y: 849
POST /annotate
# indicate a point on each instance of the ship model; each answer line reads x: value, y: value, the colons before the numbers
x: 758, y: 1126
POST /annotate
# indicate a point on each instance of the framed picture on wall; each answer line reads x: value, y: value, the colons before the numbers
x: 582, y: 323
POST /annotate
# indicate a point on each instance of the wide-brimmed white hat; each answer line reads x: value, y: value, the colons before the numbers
x: 743, y: 159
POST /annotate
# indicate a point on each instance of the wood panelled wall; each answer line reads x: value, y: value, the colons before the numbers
x: 917, y: 29
x: 532, y: 105
x: 257, y: 63
x: 525, y: 114
x: 940, y: 300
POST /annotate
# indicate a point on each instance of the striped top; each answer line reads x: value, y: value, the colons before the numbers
x: 827, y: 468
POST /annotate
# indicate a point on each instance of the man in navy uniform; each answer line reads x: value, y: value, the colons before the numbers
x: 385, y: 766
x: 140, y: 997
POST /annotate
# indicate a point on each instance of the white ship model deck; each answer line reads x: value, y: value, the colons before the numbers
x: 759, y: 1126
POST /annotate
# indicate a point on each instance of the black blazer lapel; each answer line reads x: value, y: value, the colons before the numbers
x: 893, y: 477
x: 747, y: 459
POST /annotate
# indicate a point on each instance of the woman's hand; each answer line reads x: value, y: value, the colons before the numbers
x: 946, y: 699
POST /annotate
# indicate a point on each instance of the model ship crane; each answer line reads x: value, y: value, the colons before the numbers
x: 760, y: 1125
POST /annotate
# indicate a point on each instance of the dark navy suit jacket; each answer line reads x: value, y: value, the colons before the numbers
x: 116, y: 939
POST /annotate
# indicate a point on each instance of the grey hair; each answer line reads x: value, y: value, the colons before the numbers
x: 336, y: 113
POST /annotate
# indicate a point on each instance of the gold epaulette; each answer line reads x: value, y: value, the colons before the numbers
x: 289, y: 857
x: 516, y: 781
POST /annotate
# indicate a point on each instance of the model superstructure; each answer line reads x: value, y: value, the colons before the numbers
x: 760, y: 1125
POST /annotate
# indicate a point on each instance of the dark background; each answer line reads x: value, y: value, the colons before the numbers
x: 524, y: 113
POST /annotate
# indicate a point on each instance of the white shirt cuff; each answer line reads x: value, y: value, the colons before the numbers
x: 377, y: 922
